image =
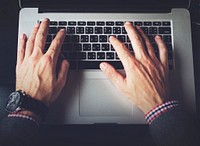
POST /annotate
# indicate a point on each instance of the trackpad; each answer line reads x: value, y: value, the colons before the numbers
x: 99, y: 97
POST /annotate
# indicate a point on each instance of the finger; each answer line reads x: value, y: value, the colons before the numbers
x: 55, y: 47
x: 31, y: 41
x: 112, y: 74
x: 41, y: 36
x: 62, y: 74
x: 148, y: 44
x: 163, y: 54
x: 21, y: 49
x: 136, y: 41
x: 125, y: 56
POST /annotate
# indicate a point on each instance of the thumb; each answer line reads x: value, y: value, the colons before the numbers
x: 112, y: 74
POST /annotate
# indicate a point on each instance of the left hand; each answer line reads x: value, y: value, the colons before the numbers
x: 39, y: 74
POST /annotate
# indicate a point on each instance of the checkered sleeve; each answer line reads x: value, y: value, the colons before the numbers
x: 160, y: 109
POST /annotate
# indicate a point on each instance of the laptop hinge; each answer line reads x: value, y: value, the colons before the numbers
x: 97, y: 9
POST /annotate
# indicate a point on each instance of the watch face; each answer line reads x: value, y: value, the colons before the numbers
x: 13, y: 102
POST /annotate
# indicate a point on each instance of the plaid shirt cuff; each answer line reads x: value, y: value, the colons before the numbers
x: 160, y: 109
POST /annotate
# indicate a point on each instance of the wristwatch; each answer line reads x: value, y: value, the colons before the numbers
x: 19, y: 101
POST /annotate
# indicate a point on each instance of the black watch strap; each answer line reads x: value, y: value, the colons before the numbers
x: 33, y: 105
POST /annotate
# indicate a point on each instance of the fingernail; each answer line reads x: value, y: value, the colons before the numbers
x: 158, y: 37
x: 102, y: 66
x: 129, y: 23
x: 63, y: 29
x: 23, y: 36
x: 38, y: 24
x: 46, y: 19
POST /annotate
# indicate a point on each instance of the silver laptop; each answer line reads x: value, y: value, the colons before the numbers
x: 89, y: 97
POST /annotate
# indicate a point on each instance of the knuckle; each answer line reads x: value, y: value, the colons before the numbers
x: 57, y: 41
x: 41, y: 33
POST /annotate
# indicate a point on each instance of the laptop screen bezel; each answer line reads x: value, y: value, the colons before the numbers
x: 146, y: 4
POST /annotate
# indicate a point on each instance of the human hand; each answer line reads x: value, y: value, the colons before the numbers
x: 146, y: 80
x: 40, y: 74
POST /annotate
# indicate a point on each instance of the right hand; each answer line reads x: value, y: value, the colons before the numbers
x: 146, y: 80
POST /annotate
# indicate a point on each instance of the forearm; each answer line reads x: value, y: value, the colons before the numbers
x: 174, y: 127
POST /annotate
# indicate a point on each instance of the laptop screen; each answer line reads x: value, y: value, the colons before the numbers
x: 104, y: 3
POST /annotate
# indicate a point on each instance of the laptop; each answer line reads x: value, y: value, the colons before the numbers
x: 88, y: 96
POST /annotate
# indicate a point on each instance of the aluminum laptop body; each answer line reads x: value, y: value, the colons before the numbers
x: 88, y: 96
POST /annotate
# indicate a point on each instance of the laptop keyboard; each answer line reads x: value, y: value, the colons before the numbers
x: 86, y: 43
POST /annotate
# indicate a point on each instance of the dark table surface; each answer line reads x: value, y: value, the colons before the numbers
x: 75, y: 134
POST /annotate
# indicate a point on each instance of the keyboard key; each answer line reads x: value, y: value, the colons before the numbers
x: 72, y: 56
x: 67, y: 47
x: 119, y: 23
x: 89, y: 30
x: 86, y: 47
x: 116, y: 30
x: 84, y: 38
x: 98, y: 30
x: 82, y: 55
x: 109, y: 55
x: 148, y: 23
x: 138, y: 23
x: 105, y: 47
x: 100, y: 55
x: 156, y: 23
x: 167, y: 38
x: 169, y: 47
x: 117, y: 57
x: 128, y: 39
x: 95, y: 47
x: 103, y: 38
x: 100, y: 23
x: 124, y: 30
x: 112, y: 48
x: 110, y: 23
x: 53, y: 23
x: 67, y: 39
x: 77, y: 47
x: 75, y: 38
x: 145, y: 30
x: 90, y: 23
x: 153, y: 30
x: 130, y: 47
x: 70, y: 30
x: 49, y: 38
x: 170, y: 55
x: 63, y: 23
x: 80, y: 30
x: 91, y: 55
x: 122, y: 38
x: 53, y: 30
x: 72, y: 23
x: 94, y: 38
x: 155, y: 46
x: 151, y: 38
x: 164, y: 30
x: 107, y: 30
x: 82, y: 23
x: 166, y: 23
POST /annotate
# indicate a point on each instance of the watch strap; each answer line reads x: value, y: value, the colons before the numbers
x: 33, y: 105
